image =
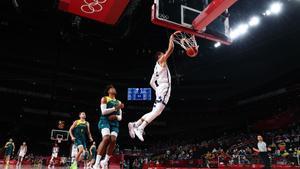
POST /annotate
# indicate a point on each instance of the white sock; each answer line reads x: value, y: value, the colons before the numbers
x: 106, y: 159
x: 98, y: 158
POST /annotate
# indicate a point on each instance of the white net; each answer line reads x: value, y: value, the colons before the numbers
x: 59, y: 138
x: 185, y: 40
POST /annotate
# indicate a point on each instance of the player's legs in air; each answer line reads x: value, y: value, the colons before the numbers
x: 105, y: 131
x: 93, y: 154
x: 137, y: 128
x: 112, y: 144
x: 81, y: 145
x: 162, y: 98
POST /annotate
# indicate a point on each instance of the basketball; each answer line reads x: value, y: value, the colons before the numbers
x: 192, y: 51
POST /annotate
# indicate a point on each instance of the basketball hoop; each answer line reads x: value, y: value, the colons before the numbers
x: 59, y: 135
x: 187, y: 42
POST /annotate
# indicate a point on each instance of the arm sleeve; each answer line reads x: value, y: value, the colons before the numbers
x: 105, y: 110
x: 119, y: 117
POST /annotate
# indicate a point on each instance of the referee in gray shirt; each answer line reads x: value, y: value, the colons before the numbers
x: 263, y: 152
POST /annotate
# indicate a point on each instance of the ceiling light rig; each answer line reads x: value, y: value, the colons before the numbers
x: 243, y: 28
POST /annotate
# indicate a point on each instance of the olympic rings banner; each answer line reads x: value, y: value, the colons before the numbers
x: 105, y: 11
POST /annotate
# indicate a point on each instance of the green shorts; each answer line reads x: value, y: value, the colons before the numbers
x: 8, y: 152
x: 80, y: 142
x: 113, y: 126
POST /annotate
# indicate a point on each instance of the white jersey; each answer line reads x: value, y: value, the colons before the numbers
x: 55, y: 149
x: 262, y: 146
x: 22, y: 151
x: 161, y: 83
x: 161, y: 77
x: 55, y: 152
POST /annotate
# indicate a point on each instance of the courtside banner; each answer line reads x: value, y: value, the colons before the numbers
x: 105, y: 11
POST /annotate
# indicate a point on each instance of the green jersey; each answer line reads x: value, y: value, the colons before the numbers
x: 110, y: 103
x: 80, y: 129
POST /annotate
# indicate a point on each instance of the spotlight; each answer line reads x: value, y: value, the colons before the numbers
x: 276, y: 8
x: 267, y: 13
x: 233, y: 34
x: 254, y: 21
x: 242, y: 29
x: 218, y: 44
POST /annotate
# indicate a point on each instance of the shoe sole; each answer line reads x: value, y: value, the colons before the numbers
x: 141, y: 138
x: 131, y: 128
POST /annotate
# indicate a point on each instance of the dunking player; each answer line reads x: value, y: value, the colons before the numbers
x: 78, y: 132
x: 161, y: 83
x: 111, y: 114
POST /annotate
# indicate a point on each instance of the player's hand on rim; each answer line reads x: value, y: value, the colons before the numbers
x: 172, y: 36
x: 176, y: 32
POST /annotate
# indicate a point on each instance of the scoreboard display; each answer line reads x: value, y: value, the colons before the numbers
x: 139, y: 94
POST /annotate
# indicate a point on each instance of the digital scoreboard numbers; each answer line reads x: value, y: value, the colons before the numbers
x: 139, y: 94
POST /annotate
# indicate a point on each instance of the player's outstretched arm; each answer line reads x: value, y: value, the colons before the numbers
x: 71, y: 130
x: 168, y: 53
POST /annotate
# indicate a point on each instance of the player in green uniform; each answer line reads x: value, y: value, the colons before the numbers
x: 78, y: 132
x: 111, y: 114
x: 9, y: 150
x: 93, y: 153
x: 85, y: 157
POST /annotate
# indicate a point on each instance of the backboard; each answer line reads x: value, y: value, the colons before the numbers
x: 207, y: 19
x: 59, y: 135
